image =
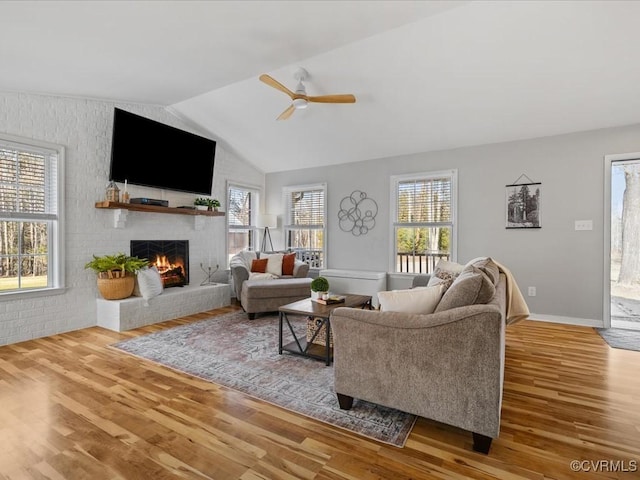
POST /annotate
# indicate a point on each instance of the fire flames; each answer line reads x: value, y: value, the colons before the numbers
x: 172, y: 274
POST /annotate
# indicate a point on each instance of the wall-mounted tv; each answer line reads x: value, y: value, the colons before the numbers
x: 152, y: 154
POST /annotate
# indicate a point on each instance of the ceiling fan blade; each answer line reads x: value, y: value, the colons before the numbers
x: 287, y: 113
x: 275, y: 84
x: 346, y: 98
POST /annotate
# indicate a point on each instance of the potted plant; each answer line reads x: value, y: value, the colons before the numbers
x: 213, y: 204
x: 319, y: 288
x: 201, y: 203
x: 116, y: 274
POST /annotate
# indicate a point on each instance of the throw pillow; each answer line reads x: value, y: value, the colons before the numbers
x: 259, y: 265
x: 471, y: 287
x: 488, y: 267
x: 274, y: 265
x: 148, y: 283
x: 415, y: 300
x: 288, y: 262
x: 445, y: 274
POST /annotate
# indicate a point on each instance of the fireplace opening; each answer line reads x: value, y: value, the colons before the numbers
x: 170, y: 257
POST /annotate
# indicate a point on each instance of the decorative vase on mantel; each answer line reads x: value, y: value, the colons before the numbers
x: 112, y: 193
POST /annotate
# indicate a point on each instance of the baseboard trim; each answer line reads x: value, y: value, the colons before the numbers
x: 585, y: 322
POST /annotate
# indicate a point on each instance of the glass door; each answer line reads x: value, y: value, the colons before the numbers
x: 624, y: 242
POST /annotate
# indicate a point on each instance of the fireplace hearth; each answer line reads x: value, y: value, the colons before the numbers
x: 171, y: 258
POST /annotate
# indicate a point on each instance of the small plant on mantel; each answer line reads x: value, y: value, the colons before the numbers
x: 206, y: 203
x: 116, y: 274
x: 201, y: 202
x: 213, y: 204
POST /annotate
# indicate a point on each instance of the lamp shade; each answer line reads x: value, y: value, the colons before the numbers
x: 267, y: 220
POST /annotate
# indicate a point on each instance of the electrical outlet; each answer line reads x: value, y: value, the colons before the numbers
x: 584, y: 224
x: 532, y: 291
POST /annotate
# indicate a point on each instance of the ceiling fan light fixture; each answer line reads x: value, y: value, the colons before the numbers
x: 300, y: 103
x: 299, y: 98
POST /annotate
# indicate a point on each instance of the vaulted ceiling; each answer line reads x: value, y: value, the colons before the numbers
x: 426, y: 75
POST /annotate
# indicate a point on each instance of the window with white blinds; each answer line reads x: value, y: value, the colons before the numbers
x: 30, y: 206
x: 423, y: 220
x: 242, y: 211
x: 305, y: 222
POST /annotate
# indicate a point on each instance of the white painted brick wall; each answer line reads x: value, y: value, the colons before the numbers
x: 84, y: 127
x: 134, y: 312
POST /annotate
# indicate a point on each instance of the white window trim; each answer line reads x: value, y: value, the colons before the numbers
x: 57, y: 271
x: 255, y: 211
x: 395, y: 179
x: 286, y: 226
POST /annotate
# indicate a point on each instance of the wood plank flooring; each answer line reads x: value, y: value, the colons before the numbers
x: 73, y: 408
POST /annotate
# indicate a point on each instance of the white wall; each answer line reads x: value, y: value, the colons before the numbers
x: 84, y: 127
x: 566, y: 266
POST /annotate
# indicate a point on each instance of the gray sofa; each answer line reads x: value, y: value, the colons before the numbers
x: 257, y: 296
x: 447, y: 366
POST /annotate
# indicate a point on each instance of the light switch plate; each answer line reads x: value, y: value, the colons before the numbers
x: 584, y: 224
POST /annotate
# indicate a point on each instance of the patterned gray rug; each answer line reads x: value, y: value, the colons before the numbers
x: 233, y: 351
x: 621, y: 338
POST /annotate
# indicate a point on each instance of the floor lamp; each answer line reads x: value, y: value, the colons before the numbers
x: 267, y: 221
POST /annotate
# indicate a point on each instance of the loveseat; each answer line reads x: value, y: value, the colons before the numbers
x: 264, y: 287
x: 447, y: 365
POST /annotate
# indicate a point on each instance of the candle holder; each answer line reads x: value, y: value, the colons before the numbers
x: 210, y: 272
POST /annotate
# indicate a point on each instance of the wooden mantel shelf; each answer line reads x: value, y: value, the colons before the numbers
x: 121, y: 209
x: 136, y: 207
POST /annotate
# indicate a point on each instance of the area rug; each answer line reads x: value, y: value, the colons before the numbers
x: 242, y: 354
x: 621, y: 338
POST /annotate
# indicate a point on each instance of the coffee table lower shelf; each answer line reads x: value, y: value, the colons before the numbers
x: 301, y: 346
x: 313, y: 350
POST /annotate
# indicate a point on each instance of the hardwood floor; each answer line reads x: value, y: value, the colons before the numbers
x: 73, y: 408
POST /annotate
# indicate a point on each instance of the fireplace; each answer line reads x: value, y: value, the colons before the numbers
x: 171, y: 258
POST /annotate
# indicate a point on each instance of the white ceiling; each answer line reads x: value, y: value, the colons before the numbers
x: 426, y: 75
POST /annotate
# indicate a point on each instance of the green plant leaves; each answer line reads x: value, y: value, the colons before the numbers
x: 119, y: 261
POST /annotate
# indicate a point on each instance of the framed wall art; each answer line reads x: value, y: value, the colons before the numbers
x: 523, y: 204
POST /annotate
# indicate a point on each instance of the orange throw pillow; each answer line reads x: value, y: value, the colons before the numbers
x: 288, y: 262
x: 259, y: 265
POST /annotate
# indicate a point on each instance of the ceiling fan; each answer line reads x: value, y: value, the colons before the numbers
x: 299, y: 98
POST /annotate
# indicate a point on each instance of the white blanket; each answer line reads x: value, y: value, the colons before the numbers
x: 517, y: 308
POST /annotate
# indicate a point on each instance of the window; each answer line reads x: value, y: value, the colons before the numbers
x: 31, y: 230
x: 305, y: 223
x: 423, y: 221
x: 242, y: 212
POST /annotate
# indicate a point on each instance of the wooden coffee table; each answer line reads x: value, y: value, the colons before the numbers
x: 309, y: 308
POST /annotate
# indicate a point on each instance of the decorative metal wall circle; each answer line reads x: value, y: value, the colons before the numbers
x: 357, y: 213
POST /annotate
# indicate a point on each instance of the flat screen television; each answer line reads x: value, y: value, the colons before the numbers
x: 152, y: 154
